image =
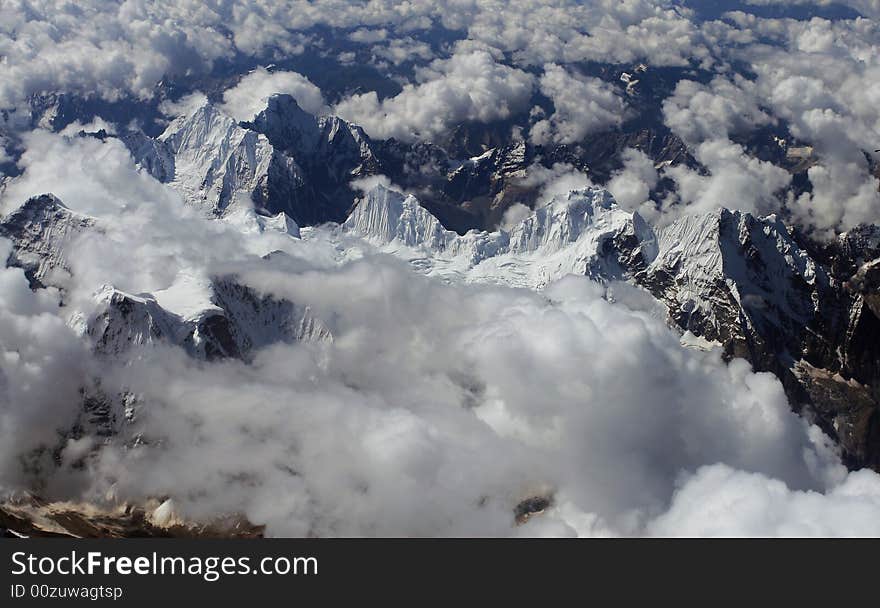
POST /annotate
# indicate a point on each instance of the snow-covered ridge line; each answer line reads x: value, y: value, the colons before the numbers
x: 583, y: 232
x: 586, y: 232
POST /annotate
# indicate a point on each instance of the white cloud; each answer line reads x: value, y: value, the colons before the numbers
x: 434, y: 411
x: 705, y: 117
x: 398, y: 426
x: 4, y: 155
x: 103, y: 49
x: 467, y: 86
x: 560, y: 179
x: 605, y: 31
x: 822, y: 78
x: 632, y: 185
x: 735, y: 181
x: 365, y: 184
x: 698, y: 113
x: 437, y: 407
x: 844, y: 195
x: 582, y: 106
x: 184, y: 106
x: 720, y: 501
x: 366, y: 35
x: 248, y: 97
x: 96, y: 125
x: 35, y: 345
x: 400, y: 50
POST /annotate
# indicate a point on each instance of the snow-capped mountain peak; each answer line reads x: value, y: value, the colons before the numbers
x: 287, y: 125
x: 208, y: 318
x: 576, y: 216
x: 582, y: 232
x: 212, y: 158
x: 39, y: 230
x: 385, y: 216
x: 734, y: 262
x: 285, y: 160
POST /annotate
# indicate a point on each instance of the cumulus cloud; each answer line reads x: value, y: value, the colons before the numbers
x: 184, y: 106
x: 96, y: 125
x: 581, y: 106
x: 559, y: 179
x: 605, y: 30
x: 632, y: 184
x: 365, y: 184
x: 720, y: 501
x: 435, y: 410
x: 469, y: 86
x: 821, y: 78
x: 844, y: 195
x: 35, y: 345
x: 101, y: 49
x: 367, y: 35
x: 396, y: 427
x: 817, y: 78
x: 734, y: 180
x: 705, y: 117
x: 400, y: 50
x: 248, y: 97
x: 697, y: 112
x: 4, y: 155
x: 115, y: 49
x: 437, y: 407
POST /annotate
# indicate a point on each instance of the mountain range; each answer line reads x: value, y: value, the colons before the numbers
x: 752, y: 287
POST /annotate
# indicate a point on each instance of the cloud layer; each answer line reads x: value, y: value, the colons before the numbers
x: 582, y: 106
x: 482, y: 61
x: 469, y: 86
x: 435, y: 410
x: 437, y: 407
x: 248, y: 97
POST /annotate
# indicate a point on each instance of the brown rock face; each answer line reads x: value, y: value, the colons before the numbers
x: 29, y: 516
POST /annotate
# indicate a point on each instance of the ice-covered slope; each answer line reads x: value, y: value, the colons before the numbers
x: 231, y: 320
x: 583, y: 232
x: 286, y: 160
x: 257, y: 320
x: 752, y: 285
x: 122, y: 320
x: 330, y: 153
x: 39, y: 231
x: 210, y: 159
x: 215, y: 160
x: 586, y: 232
x: 717, y: 272
x: 385, y: 216
x: 727, y: 274
x: 336, y: 148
